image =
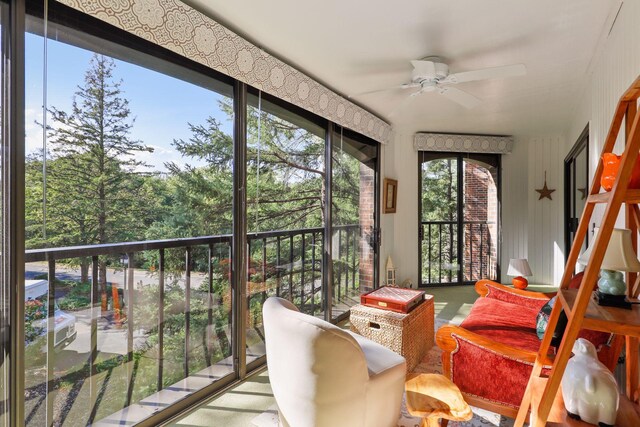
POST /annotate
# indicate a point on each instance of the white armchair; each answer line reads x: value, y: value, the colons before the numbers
x: 324, y: 376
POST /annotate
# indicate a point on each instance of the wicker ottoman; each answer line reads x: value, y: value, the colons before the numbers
x: 410, y: 335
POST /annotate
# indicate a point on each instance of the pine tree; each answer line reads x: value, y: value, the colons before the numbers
x: 285, y: 174
x: 95, y: 176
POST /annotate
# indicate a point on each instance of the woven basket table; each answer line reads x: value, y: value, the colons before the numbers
x: 410, y: 335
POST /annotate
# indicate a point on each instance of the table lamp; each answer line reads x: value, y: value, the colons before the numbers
x: 519, y: 267
x: 619, y: 257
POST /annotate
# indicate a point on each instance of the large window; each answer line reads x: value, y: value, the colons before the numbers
x: 459, y: 217
x: 136, y: 183
x: 126, y: 149
x: 285, y: 212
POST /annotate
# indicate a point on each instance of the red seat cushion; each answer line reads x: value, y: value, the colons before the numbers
x: 514, y: 325
x: 503, y: 322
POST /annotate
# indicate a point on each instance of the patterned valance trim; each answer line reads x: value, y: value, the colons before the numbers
x: 184, y: 30
x: 462, y: 143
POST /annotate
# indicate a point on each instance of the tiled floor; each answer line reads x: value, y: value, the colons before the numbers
x: 238, y: 406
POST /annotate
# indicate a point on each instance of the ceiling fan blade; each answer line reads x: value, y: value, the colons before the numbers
x: 461, y: 97
x: 404, y: 103
x: 424, y: 68
x: 402, y: 86
x: 486, y: 74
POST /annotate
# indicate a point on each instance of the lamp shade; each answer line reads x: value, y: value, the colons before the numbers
x: 519, y: 267
x: 620, y: 255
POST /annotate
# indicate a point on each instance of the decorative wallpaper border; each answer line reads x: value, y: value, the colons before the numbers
x: 183, y: 30
x: 424, y: 141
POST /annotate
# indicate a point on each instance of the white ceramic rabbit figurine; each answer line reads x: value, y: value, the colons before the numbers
x: 589, y: 389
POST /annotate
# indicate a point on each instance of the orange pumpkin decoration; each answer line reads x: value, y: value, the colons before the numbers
x: 611, y: 164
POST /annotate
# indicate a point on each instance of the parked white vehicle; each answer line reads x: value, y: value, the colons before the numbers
x: 65, y: 323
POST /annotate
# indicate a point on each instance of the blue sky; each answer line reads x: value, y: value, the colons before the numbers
x: 161, y: 105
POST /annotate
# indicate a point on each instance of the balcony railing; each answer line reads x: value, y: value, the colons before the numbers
x: 441, y: 260
x: 291, y: 263
x: 169, y: 287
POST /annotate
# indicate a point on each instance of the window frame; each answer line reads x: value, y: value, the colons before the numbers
x: 13, y: 191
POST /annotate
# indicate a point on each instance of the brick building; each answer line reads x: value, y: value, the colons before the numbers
x: 480, y: 221
x: 367, y: 227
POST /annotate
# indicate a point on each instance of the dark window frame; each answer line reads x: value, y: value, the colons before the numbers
x: 13, y: 185
x: 570, y: 225
x: 460, y: 156
x: 376, y: 242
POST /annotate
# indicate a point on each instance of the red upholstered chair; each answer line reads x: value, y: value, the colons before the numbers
x: 491, y: 354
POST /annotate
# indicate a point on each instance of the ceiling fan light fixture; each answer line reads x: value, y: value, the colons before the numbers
x: 428, y: 85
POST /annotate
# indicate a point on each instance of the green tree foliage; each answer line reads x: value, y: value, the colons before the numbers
x: 439, y: 203
x: 286, y: 173
x: 346, y: 183
x: 200, y: 198
x: 285, y: 177
x: 95, y: 183
x: 439, y: 190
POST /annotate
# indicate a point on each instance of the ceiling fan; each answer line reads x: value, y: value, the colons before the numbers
x: 430, y: 74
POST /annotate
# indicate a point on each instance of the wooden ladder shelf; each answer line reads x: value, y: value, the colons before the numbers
x: 542, y: 397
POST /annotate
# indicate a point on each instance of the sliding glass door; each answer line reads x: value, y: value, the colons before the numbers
x: 576, y: 181
x: 128, y: 195
x: 354, y: 221
x: 459, y: 218
x: 285, y: 212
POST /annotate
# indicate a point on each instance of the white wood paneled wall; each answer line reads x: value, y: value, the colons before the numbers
x: 614, y: 67
x: 515, y: 209
x: 617, y: 65
x: 545, y: 218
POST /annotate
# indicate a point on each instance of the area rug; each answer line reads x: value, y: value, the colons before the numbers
x: 432, y: 363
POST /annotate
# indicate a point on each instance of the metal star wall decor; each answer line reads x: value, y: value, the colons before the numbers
x: 583, y: 192
x: 545, y: 191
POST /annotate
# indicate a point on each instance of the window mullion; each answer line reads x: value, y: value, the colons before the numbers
x: 239, y: 246
x: 13, y: 196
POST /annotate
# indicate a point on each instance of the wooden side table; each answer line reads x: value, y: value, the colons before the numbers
x: 434, y: 397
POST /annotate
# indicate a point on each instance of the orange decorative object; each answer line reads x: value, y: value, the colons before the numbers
x: 116, y: 306
x: 611, y: 163
x: 520, y: 282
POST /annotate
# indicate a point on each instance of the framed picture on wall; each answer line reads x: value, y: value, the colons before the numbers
x: 390, y: 195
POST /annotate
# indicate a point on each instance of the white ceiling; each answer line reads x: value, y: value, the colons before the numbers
x: 355, y: 46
